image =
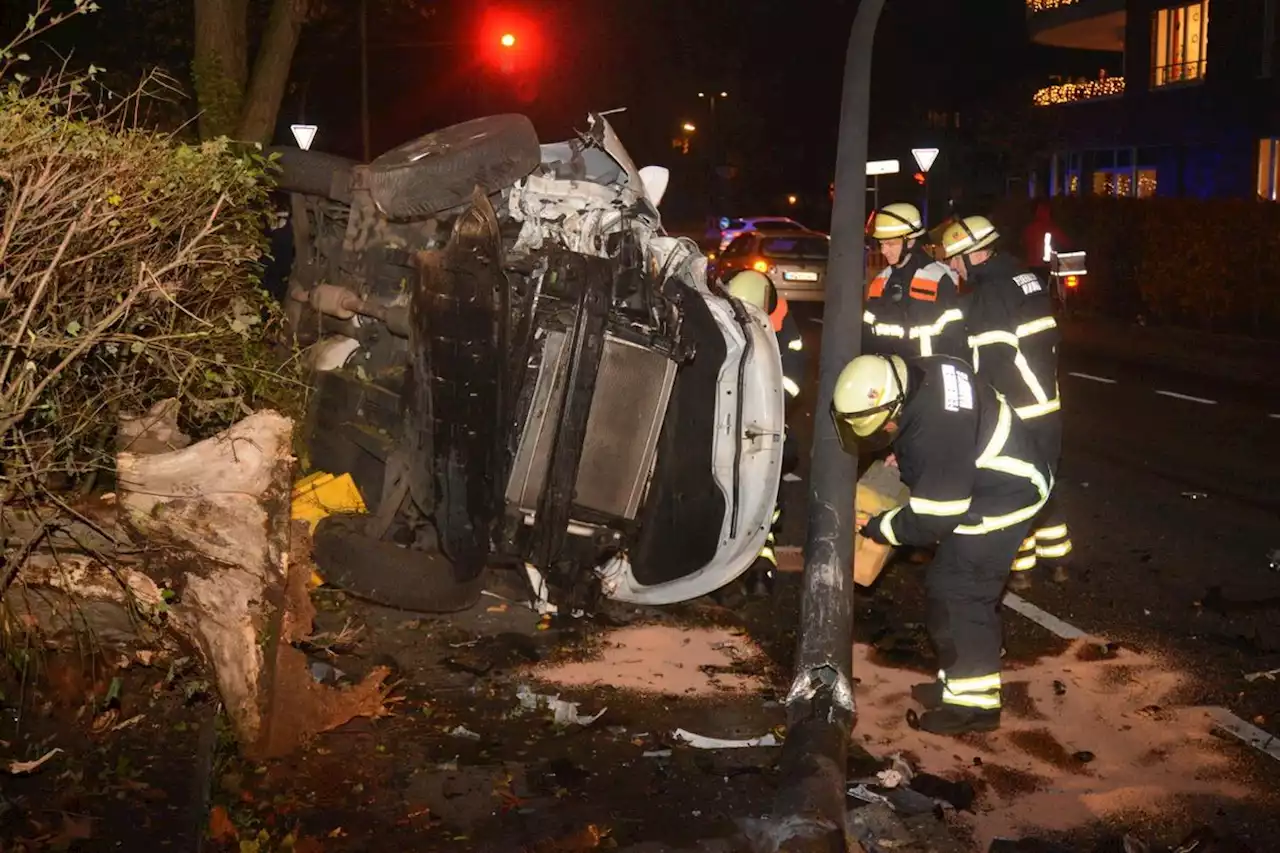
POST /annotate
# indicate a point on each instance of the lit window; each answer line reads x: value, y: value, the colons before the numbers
x: 1269, y: 169
x: 1180, y: 41
x: 1122, y: 182
x: 1146, y: 183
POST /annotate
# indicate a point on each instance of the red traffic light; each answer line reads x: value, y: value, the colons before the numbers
x: 919, y: 176
x: 507, y: 40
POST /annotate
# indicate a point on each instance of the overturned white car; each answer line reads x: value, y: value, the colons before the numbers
x: 518, y: 367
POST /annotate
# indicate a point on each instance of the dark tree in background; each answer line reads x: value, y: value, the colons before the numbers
x: 233, y: 59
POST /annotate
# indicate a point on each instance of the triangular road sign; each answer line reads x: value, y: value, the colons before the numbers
x: 304, y: 134
x: 924, y: 157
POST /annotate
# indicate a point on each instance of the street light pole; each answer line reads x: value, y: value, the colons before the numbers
x: 820, y: 708
x: 364, y: 78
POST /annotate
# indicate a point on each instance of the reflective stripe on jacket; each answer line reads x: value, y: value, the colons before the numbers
x: 971, y: 465
x: 1013, y: 335
x: 914, y: 310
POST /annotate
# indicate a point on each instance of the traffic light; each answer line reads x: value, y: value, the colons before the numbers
x: 508, y: 40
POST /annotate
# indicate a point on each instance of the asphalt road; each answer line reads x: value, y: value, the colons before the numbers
x: 1169, y: 483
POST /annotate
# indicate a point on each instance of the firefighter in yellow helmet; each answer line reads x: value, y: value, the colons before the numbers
x: 976, y: 479
x: 755, y: 288
x: 912, y: 306
x: 1014, y: 339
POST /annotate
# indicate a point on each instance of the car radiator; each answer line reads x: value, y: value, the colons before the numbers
x: 627, y: 411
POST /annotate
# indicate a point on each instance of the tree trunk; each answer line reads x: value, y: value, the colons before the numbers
x: 271, y: 70
x: 220, y: 65
x: 212, y: 522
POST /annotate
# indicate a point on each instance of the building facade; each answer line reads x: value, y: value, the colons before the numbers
x: 1195, y: 113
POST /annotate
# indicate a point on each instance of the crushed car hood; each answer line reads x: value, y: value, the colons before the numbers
x: 587, y: 189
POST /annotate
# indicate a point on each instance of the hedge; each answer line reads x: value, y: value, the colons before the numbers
x: 129, y: 273
x: 1211, y: 265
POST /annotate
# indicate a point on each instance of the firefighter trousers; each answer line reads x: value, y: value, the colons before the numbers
x: 963, y: 586
x: 1049, y: 539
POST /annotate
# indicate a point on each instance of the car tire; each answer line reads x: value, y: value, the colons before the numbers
x: 314, y: 173
x: 385, y: 573
x: 441, y: 170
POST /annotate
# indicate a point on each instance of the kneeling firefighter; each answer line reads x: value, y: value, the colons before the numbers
x: 756, y: 289
x: 977, y: 480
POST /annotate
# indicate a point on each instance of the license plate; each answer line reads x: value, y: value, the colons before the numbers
x: 800, y: 276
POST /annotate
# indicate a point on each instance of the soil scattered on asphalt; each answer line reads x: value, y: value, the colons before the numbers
x: 688, y: 662
x: 1076, y: 748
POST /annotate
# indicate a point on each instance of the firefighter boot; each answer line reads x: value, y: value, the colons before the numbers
x: 928, y: 694
x: 759, y: 578
x: 1023, y: 565
x: 958, y: 720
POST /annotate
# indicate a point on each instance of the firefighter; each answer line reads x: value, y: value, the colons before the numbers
x: 977, y: 480
x: 756, y: 288
x: 912, y: 306
x: 1014, y: 340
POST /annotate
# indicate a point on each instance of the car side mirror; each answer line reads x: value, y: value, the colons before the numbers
x: 655, y: 180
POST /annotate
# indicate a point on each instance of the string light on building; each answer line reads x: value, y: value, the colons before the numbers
x: 1066, y: 93
x: 1048, y: 5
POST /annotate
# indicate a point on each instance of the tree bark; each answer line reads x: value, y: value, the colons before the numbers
x: 217, y: 564
x: 270, y: 77
x: 220, y: 65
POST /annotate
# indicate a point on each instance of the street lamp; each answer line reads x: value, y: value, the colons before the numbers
x: 688, y: 127
x: 792, y: 200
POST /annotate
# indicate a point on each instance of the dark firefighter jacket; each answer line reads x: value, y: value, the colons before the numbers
x: 971, y: 464
x: 914, y: 310
x: 1013, y: 335
x: 791, y: 345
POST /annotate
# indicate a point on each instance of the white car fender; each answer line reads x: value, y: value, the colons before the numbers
x: 755, y: 450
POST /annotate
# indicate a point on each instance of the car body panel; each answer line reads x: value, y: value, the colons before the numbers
x: 760, y: 438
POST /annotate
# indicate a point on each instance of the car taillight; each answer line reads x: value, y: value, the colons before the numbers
x: 1073, y: 281
x: 761, y: 266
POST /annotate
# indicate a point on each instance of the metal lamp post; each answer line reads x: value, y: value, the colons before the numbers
x: 820, y: 708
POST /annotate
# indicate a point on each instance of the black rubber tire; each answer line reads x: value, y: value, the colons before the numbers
x: 314, y: 173
x: 385, y: 573
x: 441, y: 170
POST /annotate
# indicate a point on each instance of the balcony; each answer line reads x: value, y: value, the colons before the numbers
x: 1070, y: 93
x: 1080, y: 24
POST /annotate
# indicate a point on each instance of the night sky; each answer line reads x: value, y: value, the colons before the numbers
x: 433, y: 63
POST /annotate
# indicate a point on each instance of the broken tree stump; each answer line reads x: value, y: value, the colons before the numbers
x: 203, y: 543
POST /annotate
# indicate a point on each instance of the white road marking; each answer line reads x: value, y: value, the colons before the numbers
x: 1104, y: 380
x: 1043, y: 618
x: 818, y: 320
x: 1187, y: 397
x: 1246, y: 733
x: 1277, y: 417
x: 791, y: 478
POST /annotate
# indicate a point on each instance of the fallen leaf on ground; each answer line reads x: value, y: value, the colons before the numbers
x: 19, y: 768
x: 220, y: 826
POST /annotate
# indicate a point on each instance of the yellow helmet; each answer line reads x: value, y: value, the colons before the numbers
x: 755, y: 288
x: 894, y: 221
x: 968, y: 235
x: 869, y: 392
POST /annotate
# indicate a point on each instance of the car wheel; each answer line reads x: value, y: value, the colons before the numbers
x: 314, y: 173
x: 385, y: 573
x: 441, y: 170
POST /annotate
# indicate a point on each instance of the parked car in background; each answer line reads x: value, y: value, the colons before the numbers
x: 796, y: 261
x: 731, y: 228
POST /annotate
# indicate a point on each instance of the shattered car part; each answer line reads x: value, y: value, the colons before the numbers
x: 698, y: 741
